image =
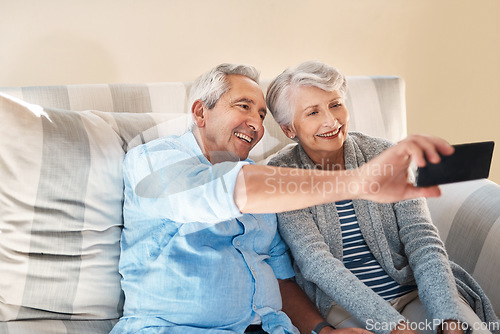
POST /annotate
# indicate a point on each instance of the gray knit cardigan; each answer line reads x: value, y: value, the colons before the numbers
x: 401, y: 236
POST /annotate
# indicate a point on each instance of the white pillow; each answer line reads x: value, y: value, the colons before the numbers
x: 61, y: 192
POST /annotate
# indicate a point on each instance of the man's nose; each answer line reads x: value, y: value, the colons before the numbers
x: 254, y: 121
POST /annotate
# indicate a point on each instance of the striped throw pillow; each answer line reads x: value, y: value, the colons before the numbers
x: 61, y: 194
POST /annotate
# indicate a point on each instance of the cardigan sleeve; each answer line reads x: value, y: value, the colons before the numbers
x: 428, y: 259
x: 319, y: 266
x: 422, y: 246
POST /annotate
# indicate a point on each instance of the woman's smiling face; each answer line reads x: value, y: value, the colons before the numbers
x: 320, y: 121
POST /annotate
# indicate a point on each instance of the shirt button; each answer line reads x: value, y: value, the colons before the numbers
x: 254, y: 307
x: 237, y: 243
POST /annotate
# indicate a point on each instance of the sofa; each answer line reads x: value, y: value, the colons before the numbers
x: 61, y: 150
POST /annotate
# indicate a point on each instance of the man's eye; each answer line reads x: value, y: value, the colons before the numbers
x: 245, y: 106
x: 262, y: 116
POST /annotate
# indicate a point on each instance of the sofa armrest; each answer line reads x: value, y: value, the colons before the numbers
x: 467, y: 216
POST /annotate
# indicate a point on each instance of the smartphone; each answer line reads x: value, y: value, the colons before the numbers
x: 470, y: 161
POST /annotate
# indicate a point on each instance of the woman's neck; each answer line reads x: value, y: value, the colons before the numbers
x: 328, y: 160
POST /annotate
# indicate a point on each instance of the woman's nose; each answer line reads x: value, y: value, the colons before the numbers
x: 329, y: 119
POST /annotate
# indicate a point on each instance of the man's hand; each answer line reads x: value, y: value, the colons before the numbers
x: 385, y: 178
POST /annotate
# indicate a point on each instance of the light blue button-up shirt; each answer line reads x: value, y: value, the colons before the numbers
x: 190, y: 261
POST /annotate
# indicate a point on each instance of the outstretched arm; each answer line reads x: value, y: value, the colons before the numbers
x: 266, y: 189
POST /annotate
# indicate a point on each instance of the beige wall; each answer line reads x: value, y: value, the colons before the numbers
x: 448, y: 51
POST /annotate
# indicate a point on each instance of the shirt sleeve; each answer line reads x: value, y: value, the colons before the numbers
x: 168, y: 182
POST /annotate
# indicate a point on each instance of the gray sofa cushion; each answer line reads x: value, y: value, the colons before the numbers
x: 61, y: 207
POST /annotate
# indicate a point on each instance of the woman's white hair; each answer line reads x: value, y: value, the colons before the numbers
x: 310, y: 73
x: 210, y: 86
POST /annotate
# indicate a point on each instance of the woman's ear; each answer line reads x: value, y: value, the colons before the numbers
x: 198, y: 111
x: 288, y: 131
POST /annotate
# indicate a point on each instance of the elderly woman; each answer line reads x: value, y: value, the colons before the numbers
x: 364, y: 264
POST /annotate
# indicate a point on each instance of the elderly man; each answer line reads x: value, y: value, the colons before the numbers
x: 200, y: 248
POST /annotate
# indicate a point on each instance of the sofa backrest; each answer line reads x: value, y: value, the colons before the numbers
x: 376, y: 104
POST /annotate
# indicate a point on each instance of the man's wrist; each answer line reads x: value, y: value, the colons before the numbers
x: 320, y: 326
x: 354, y: 184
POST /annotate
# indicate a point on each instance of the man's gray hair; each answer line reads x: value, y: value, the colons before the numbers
x: 210, y: 86
x: 310, y: 73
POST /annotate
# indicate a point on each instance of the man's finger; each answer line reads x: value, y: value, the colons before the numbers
x: 413, y: 192
x: 424, y: 148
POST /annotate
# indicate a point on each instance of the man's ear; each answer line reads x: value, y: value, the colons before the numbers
x: 198, y: 110
x: 288, y: 131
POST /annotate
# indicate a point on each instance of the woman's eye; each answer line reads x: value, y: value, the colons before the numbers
x: 312, y: 113
x: 336, y: 105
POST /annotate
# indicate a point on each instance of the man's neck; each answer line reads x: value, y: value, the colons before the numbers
x: 213, y: 156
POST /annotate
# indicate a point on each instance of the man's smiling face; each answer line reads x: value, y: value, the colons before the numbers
x: 234, y: 125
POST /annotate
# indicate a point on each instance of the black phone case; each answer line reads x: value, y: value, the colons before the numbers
x: 470, y: 161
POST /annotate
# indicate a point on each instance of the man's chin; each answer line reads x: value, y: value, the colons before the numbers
x: 222, y: 156
x: 242, y: 156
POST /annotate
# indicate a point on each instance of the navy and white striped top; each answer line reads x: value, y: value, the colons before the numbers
x: 358, y: 258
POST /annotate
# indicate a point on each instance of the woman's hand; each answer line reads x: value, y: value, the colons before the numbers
x: 349, y: 330
x: 452, y: 327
